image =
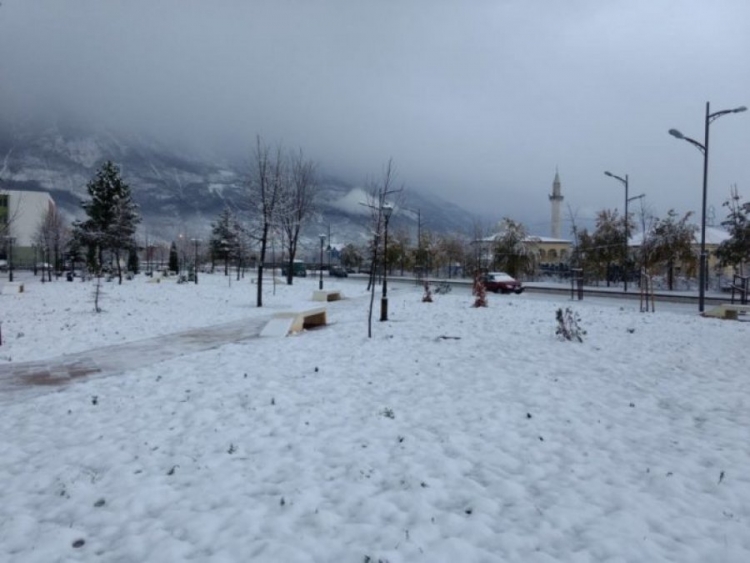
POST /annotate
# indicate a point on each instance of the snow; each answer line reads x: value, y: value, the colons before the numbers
x: 453, y: 434
x: 353, y: 202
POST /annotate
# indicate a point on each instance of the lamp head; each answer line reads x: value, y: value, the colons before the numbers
x: 739, y: 109
x: 676, y: 134
x: 387, y: 210
x: 322, y: 238
x: 609, y: 174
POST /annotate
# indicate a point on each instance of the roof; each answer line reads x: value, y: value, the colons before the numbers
x: 529, y: 238
x: 714, y: 236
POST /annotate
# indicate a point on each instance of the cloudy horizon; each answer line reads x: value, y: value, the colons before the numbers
x: 478, y: 103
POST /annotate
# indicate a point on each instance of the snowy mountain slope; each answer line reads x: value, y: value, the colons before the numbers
x: 181, y: 192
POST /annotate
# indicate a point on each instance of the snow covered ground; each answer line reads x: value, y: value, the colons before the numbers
x: 453, y: 434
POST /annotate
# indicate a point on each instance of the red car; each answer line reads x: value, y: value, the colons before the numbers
x: 501, y: 282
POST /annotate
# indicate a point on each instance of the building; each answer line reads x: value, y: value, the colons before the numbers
x: 714, y: 237
x: 550, y: 254
x: 21, y: 213
x: 556, y: 199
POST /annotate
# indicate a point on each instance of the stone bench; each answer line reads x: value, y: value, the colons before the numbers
x: 289, y: 322
x: 326, y: 295
x: 730, y: 311
x: 12, y: 287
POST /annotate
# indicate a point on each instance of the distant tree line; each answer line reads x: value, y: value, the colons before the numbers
x: 281, y: 198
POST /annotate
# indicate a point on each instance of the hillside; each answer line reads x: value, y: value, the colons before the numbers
x: 182, y: 192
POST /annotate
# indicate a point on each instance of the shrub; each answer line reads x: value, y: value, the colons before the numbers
x: 427, y: 297
x: 479, y: 292
x: 567, y: 325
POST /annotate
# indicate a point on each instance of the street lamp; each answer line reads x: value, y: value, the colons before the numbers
x: 9, y: 241
x: 624, y: 182
x: 703, y: 147
x: 322, y: 242
x: 387, y: 210
x: 195, y: 260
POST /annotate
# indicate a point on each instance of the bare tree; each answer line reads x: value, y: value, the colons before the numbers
x: 397, y: 251
x: 452, y: 249
x: 646, y: 220
x: 480, y: 232
x: 377, y: 199
x: 51, y: 237
x: 296, y: 204
x: 266, y: 187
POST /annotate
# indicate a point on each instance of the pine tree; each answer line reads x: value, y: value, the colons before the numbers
x: 113, y: 217
x: 224, y: 237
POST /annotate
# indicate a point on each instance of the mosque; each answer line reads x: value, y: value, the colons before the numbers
x: 553, y: 250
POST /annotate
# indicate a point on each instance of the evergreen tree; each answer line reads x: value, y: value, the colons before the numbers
x: 225, y: 238
x: 174, y: 259
x: 112, y: 218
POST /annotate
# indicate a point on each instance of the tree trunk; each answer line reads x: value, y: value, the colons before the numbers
x: 263, y: 243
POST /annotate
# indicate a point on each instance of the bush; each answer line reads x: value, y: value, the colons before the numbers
x: 567, y: 325
x: 479, y: 292
x: 427, y: 297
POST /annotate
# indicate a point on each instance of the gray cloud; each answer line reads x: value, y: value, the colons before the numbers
x: 477, y: 102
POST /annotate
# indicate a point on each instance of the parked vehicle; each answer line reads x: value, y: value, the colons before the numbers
x: 299, y: 269
x: 338, y: 272
x: 500, y: 282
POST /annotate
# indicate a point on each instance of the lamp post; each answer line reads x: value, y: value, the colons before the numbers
x: 322, y: 242
x: 195, y: 260
x: 703, y: 147
x: 387, y: 210
x: 9, y: 241
x: 625, y: 183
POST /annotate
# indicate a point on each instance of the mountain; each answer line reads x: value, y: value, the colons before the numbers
x: 182, y: 192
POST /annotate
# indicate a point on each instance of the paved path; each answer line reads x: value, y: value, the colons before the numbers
x: 109, y: 360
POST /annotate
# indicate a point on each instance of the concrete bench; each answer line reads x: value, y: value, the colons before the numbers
x: 12, y: 287
x: 326, y: 295
x: 289, y: 322
x: 730, y: 311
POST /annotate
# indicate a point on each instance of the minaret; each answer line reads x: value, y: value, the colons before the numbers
x: 556, y: 199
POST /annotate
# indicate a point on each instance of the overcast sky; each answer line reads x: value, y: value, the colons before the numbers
x: 475, y: 101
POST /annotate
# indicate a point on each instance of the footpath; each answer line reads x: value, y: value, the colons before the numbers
x: 109, y: 360
x: 26, y: 379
